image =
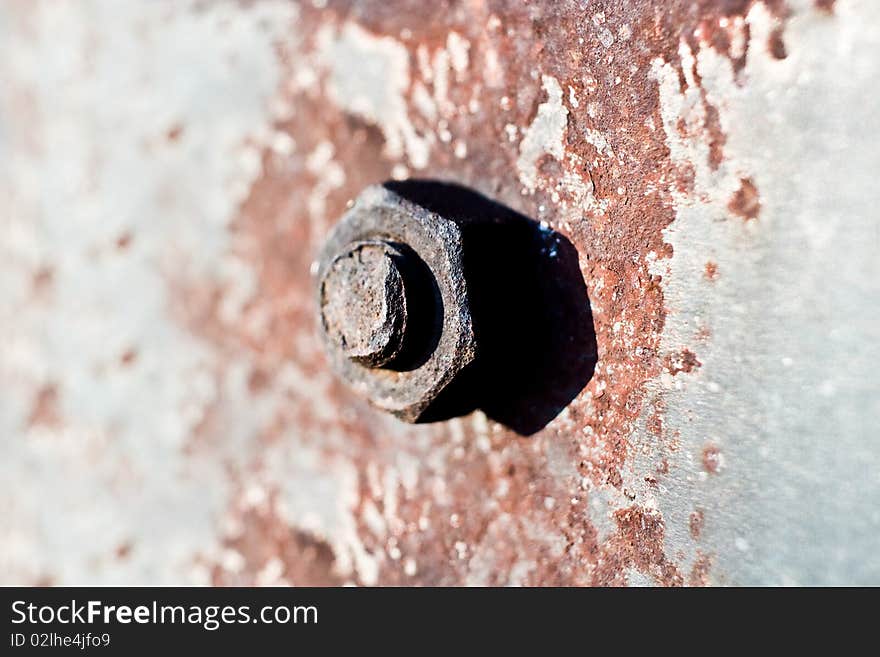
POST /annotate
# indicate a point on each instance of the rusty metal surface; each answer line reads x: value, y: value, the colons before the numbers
x: 169, y: 171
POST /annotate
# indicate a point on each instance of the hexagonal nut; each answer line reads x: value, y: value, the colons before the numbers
x: 393, y: 303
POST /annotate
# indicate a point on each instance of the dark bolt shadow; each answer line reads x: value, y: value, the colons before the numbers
x: 531, y: 314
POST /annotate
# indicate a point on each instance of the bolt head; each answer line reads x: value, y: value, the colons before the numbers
x: 394, y: 307
x: 363, y: 303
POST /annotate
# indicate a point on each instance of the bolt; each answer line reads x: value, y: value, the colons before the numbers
x: 363, y: 303
x: 395, y: 315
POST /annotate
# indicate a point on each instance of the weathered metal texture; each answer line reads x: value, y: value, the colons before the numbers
x: 169, y: 172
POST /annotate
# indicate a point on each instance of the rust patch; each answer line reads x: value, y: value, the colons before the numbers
x: 637, y: 544
x: 655, y: 419
x: 695, y: 523
x: 826, y: 6
x: 655, y: 423
x: 123, y: 551
x: 265, y: 550
x: 685, y: 179
x: 723, y: 27
x: 42, y: 280
x: 699, y: 575
x: 44, y: 410
x: 745, y: 202
x: 124, y: 241
x: 128, y: 357
x: 685, y: 361
x: 776, y: 44
x: 175, y: 132
x: 447, y: 540
x: 717, y: 138
x: 713, y: 459
x: 710, y: 271
x: 258, y: 381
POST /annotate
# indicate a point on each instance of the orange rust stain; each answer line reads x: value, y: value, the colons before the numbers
x: 776, y: 44
x: 717, y: 138
x: 695, y: 523
x: 124, y: 241
x: 175, y: 132
x: 264, y: 539
x: 638, y: 544
x: 686, y: 177
x: 128, y: 357
x: 42, y: 280
x: 699, y: 575
x: 44, y: 410
x: 745, y: 202
x: 123, y: 550
x: 654, y: 423
x: 711, y: 270
x: 712, y: 459
x: 258, y: 380
x: 684, y: 361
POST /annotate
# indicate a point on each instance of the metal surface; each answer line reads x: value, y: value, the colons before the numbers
x: 704, y: 172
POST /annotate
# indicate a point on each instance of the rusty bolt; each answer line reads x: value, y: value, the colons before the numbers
x: 393, y: 302
x: 363, y: 303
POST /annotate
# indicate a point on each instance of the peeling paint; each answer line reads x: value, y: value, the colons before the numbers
x: 545, y: 135
x: 369, y: 77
